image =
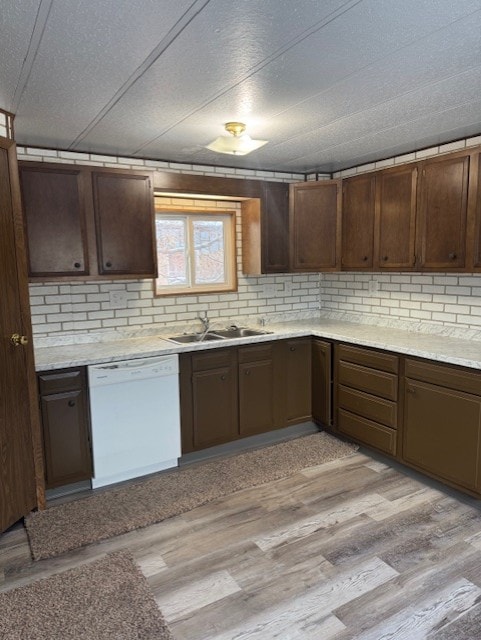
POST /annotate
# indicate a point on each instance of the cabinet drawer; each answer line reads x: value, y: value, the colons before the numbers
x: 255, y: 353
x: 370, y: 433
x: 382, y: 361
x: 212, y: 359
x: 371, y: 407
x: 61, y: 380
x: 445, y: 376
x: 364, y: 379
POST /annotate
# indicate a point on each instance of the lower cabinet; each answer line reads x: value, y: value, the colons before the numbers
x: 367, y: 396
x: 442, y: 422
x: 66, y: 426
x: 321, y: 392
x: 227, y: 394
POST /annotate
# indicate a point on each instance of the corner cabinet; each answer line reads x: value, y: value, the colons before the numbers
x: 66, y: 426
x: 315, y: 226
x: 85, y: 223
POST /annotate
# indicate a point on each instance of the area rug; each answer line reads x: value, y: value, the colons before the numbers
x: 125, y: 508
x: 104, y: 600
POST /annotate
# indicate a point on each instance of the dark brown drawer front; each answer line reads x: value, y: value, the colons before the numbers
x: 371, y: 407
x: 213, y: 359
x: 255, y: 353
x: 370, y: 433
x: 445, y: 376
x: 376, y: 382
x: 61, y: 380
x: 374, y: 359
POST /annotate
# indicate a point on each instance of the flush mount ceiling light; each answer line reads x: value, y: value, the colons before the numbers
x: 236, y: 144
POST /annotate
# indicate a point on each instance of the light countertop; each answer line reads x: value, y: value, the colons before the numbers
x: 443, y: 348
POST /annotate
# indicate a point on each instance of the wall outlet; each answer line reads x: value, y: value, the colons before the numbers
x: 118, y: 299
x: 373, y: 287
x: 270, y: 290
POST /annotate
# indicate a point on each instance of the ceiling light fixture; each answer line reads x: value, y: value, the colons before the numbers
x: 236, y: 144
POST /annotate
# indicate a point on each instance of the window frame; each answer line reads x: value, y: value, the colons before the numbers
x: 230, y: 251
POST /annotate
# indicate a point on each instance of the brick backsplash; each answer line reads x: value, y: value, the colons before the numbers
x: 439, y: 298
x: 84, y: 307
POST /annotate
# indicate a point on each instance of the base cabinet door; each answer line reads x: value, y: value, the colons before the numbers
x: 66, y: 427
x: 256, y: 397
x: 298, y: 380
x: 322, y: 382
x: 442, y: 433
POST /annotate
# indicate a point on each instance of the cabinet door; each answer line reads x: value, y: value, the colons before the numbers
x: 394, y: 246
x: 124, y: 219
x: 321, y: 382
x: 477, y: 213
x: 298, y: 374
x: 442, y: 433
x: 256, y: 397
x: 275, y: 227
x: 442, y: 199
x: 315, y: 225
x: 54, y: 209
x: 214, y: 407
x: 66, y: 438
x: 358, y: 222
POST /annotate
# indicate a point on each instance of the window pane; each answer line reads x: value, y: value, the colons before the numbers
x: 171, y: 252
x: 209, y: 251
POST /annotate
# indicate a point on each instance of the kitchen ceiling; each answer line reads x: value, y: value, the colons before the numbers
x: 330, y: 83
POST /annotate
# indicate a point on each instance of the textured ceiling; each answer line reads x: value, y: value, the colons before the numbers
x: 330, y: 83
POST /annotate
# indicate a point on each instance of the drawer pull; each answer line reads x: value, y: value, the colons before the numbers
x: 292, y: 348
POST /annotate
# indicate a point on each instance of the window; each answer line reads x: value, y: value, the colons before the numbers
x: 195, y: 252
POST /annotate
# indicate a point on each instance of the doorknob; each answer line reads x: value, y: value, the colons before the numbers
x: 17, y: 340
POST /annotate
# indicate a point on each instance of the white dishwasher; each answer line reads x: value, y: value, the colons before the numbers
x: 135, y: 414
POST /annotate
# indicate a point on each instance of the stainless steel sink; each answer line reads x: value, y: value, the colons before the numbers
x: 238, y: 332
x: 195, y: 337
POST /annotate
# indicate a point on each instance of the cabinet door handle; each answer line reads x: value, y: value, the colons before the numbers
x: 452, y: 256
x: 108, y: 265
x: 364, y: 258
x: 71, y: 403
x: 292, y: 349
x: 222, y: 377
x: 77, y: 265
x: 247, y: 372
x: 410, y: 390
x: 385, y: 258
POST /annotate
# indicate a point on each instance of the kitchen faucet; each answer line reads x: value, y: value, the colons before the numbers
x: 205, y: 326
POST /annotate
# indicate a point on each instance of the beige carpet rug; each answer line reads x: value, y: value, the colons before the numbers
x: 118, y: 510
x: 105, y: 600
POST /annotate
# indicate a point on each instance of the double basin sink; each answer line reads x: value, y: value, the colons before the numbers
x: 219, y: 334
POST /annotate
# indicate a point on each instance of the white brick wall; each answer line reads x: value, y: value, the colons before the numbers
x: 441, y: 298
x: 84, y: 307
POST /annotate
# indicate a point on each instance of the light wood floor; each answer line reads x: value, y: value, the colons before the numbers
x: 349, y: 549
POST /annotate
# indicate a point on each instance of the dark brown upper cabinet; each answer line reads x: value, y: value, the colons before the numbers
x: 124, y: 221
x: 442, y: 213
x: 86, y: 223
x: 315, y: 226
x: 54, y: 209
x: 476, y: 207
x: 395, y: 220
x: 265, y: 230
x: 358, y: 199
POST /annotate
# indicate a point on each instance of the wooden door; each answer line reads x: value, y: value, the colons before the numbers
x: 315, y: 225
x: 54, y: 209
x: 358, y: 222
x: 395, y: 228
x: 442, y: 205
x: 124, y: 220
x: 17, y: 377
x: 298, y: 373
x: 477, y: 213
x: 322, y: 382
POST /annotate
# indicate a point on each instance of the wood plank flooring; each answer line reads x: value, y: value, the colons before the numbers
x: 350, y: 549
